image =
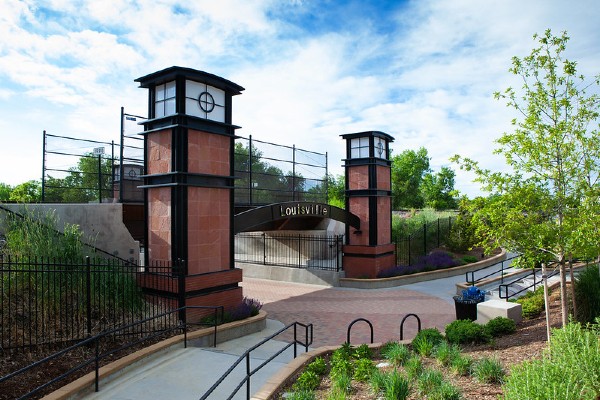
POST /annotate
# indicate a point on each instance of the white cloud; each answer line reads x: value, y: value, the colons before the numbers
x: 428, y: 82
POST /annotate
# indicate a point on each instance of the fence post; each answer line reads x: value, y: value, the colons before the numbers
x: 438, y: 233
x: 88, y: 294
x: 181, y: 289
x: 299, y: 244
x: 264, y: 248
x: 424, y: 239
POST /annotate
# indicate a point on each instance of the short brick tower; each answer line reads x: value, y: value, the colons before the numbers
x: 368, y: 195
x: 189, y: 143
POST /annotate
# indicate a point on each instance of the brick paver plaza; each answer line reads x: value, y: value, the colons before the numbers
x: 332, y: 309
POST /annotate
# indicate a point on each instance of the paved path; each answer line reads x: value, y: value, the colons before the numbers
x: 331, y: 310
x: 188, y: 373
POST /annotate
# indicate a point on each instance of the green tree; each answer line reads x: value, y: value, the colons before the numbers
x: 82, y: 183
x: 5, y: 191
x: 28, y: 192
x: 336, y: 195
x: 408, y: 170
x: 438, y: 191
x: 548, y: 205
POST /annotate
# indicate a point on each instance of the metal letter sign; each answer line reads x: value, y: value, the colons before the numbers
x: 98, y: 151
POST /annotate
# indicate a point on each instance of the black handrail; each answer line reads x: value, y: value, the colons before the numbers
x: 472, y: 281
x: 505, y: 286
x: 355, y: 321
x: 308, y: 332
x: 402, y: 324
x: 95, y: 340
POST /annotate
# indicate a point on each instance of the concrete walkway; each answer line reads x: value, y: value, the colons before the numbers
x: 188, y: 373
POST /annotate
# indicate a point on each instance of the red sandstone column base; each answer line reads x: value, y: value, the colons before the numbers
x: 211, y: 289
x: 366, y: 261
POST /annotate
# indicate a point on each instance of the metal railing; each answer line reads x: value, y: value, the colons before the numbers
x: 45, y: 302
x: 102, y: 346
x: 297, y: 251
x: 505, y: 295
x: 418, y: 244
x: 308, y: 339
x: 500, y: 271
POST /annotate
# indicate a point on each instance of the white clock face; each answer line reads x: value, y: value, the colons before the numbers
x: 380, y: 148
x: 204, y: 101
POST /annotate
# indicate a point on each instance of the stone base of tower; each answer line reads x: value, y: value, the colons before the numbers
x: 205, y: 290
x: 366, y: 261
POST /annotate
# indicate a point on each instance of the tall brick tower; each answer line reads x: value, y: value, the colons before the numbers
x: 368, y: 195
x: 188, y: 145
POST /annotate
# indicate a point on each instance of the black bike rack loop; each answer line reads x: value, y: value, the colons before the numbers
x: 402, y: 324
x: 355, y: 321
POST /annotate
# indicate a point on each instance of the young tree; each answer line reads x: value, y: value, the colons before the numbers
x: 27, y: 192
x: 547, y: 206
x: 438, y: 191
x: 408, y: 169
x: 5, y: 191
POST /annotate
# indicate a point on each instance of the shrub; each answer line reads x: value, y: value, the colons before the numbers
x: 469, y: 259
x: 342, y: 383
x: 307, y: 381
x: 532, y: 303
x: 429, y: 381
x: 431, y: 262
x: 462, y: 233
x: 461, y: 365
x: 587, y: 294
x: 396, y: 353
x: 569, y: 369
x: 395, y: 386
x: 247, y: 308
x: 489, y: 370
x: 363, y: 369
x: 445, y: 353
x: 318, y: 366
x: 341, y: 363
x: 500, y: 326
x: 465, y: 331
x: 445, y: 391
x: 413, y: 367
x: 302, y: 395
x: 426, y: 340
x: 362, y: 351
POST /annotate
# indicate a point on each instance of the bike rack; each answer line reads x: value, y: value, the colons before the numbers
x: 402, y: 324
x: 355, y: 321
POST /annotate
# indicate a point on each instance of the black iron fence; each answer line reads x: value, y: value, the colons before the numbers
x: 419, y: 243
x: 48, y: 302
x: 290, y: 250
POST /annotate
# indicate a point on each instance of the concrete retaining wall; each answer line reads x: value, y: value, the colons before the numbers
x: 420, y: 277
x: 101, y: 224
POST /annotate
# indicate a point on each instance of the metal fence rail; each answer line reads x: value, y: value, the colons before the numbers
x: 297, y: 251
x: 308, y: 339
x: 418, y: 244
x: 46, y: 302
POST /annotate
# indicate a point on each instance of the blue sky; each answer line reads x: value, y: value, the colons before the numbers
x: 422, y: 71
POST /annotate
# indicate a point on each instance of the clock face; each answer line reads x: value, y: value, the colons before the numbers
x: 204, y: 101
x: 380, y: 148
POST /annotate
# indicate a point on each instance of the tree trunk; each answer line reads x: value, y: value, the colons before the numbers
x: 571, y: 275
x: 546, y: 303
x: 564, y: 301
